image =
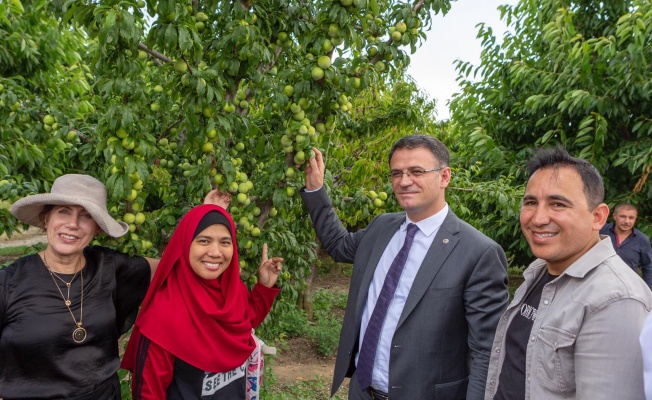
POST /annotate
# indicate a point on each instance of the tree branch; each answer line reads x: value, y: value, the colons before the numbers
x: 154, y: 53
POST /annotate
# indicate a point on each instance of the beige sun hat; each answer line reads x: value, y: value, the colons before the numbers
x: 71, y: 189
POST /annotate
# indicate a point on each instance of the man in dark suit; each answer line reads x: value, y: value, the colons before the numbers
x: 433, y: 337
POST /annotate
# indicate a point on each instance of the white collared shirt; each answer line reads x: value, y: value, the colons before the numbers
x: 428, y: 229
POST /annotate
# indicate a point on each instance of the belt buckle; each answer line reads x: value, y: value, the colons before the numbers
x: 376, y: 395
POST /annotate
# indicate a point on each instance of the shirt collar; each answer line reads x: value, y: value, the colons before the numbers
x: 429, y: 225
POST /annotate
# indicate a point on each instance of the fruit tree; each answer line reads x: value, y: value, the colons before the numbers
x: 163, y: 100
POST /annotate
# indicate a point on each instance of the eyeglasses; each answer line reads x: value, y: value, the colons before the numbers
x: 411, y: 173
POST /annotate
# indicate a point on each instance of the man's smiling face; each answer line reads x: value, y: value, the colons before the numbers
x: 556, y: 219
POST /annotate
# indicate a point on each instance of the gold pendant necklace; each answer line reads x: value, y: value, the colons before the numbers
x: 79, y: 334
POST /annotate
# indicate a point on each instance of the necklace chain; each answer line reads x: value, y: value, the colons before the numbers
x: 79, y: 334
x: 68, y: 284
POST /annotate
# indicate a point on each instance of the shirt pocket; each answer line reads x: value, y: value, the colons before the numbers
x: 556, y: 359
x: 455, y: 291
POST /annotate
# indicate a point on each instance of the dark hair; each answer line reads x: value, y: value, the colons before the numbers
x: 558, y: 157
x: 436, y: 147
x: 45, y: 211
x: 211, y: 218
x: 625, y: 206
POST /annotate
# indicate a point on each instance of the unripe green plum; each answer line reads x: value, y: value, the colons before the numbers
x: 299, y: 157
x: 201, y: 16
x: 180, y: 66
x: 207, y: 147
x: 139, y: 218
x: 129, y: 218
x: 288, y: 90
x: 317, y: 73
x: 324, y: 62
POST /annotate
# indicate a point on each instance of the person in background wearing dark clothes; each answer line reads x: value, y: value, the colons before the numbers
x: 631, y: 244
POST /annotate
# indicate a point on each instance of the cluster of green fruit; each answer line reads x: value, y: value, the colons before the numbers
x: 300, y: 134
x: 200, y: 21
x: 240, y: 101
x: 169, y: 148
x: 50, y: 123
x: 377, y: 199
x: 343, y: 103
x: 352, y: 6
x: 283, y: 40
x: 323, y: 63
x: 336, y: 34
x: 400, y: 34
x: 135, y: 216
x: 210, y: 137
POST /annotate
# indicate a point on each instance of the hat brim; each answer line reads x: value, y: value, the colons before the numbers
x: 28, y: 209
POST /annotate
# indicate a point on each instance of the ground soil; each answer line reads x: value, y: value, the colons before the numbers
x: 299, y: 360
x: 296, y: 360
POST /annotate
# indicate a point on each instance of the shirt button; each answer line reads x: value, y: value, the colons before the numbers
x: 546, y: 302
x: 492, y: 383
x: 497, y: 350
x: 532, y: 339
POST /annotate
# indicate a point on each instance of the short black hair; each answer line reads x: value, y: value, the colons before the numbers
x: 557, y: 157
x: 436, y: 147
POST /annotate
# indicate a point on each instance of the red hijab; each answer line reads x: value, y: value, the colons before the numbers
x: 202, y: 322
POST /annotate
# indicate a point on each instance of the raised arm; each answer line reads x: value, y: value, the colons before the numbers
x: 315, y: 171
x: 218, y: 198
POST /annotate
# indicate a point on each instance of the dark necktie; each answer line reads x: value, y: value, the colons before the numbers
x: 372, y: 334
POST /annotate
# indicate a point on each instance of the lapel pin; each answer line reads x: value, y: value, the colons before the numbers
x: 445, y: 241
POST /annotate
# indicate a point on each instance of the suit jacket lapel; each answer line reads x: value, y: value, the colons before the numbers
x: 441, y: 247
x: 388, y: 231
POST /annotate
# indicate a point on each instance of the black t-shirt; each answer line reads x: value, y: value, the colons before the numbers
x: 511, y: 383
x: 189, y: 382
x: 38, y: 358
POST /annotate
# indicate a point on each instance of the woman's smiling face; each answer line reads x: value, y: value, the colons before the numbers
x: 211, y: 251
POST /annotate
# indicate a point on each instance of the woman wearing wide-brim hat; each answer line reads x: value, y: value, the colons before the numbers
x: 63, y: 309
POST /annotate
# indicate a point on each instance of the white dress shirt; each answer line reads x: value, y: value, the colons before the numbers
x: 428, y: 229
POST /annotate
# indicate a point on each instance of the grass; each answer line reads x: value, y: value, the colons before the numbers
x: 13, y: 251
x: 302, y: 390
x: 10, y: 254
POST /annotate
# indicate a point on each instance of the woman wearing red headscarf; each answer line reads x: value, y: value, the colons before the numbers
x: 193, y: 336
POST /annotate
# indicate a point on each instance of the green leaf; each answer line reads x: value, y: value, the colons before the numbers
x: 185, y: 43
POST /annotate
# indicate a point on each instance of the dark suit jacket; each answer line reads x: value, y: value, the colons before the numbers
x: 442, y: 344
